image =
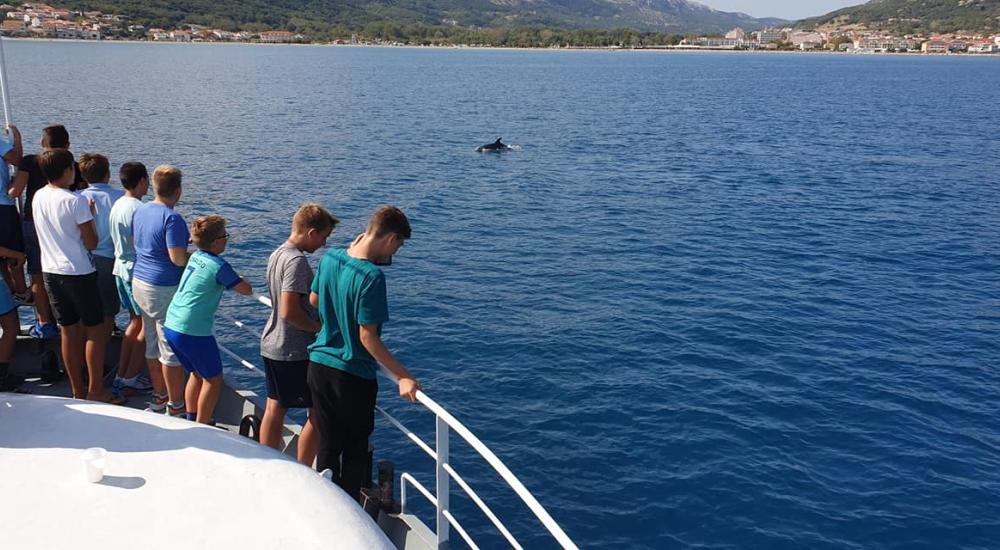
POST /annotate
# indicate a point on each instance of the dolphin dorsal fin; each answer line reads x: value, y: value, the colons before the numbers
x: 497, y: 142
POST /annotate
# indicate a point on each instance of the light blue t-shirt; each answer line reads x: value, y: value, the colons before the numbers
x: 155, y: 228
x: 351, y: 293
x: 205, y: 278
x: 120, y: 221
x: 104, y: 197
x: 5, y: 199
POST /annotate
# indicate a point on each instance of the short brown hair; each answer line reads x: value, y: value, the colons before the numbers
x: 389, y: 219
x: 313, y: 216
x: 207, y: 229
x: 167, y: 180
x: 55, y: 136
x: 54, y: 163
x: 95, y: 167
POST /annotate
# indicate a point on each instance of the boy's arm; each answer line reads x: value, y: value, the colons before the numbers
x: 17, y: 152
x: 18, y: 185
x: 178, y: 255
x: 314, y: 300
x: 408, y: 385
x: 243, y: 287
x: 88, y: 233
x: 290, y: 310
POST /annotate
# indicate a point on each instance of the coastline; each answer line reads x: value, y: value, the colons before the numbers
x: 606, y: 49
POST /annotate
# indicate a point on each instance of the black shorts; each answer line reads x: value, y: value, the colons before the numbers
x: 11, y: 235
x: 74, y: 298
x: 286, y: 383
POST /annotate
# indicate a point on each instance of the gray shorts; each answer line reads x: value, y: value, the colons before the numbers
x: 153, y: 301
x: 106, y: 287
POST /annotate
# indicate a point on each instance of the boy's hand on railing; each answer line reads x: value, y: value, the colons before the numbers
x: 408, y: 388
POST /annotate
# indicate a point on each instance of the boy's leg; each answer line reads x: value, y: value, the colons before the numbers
x: 191, y: 392
x: 271, y: 424
x: 71, y: 334
x: 128, y: 346
x: 145, y: 300
x: 8, y: 323
x: 357, y: 399
x: 43, y: 312
x: 138, y: 358
x: 328, y: 426
x: 211, y: 388
x: 308, y: 441
x: 73, y: 343
x: 87, y: 298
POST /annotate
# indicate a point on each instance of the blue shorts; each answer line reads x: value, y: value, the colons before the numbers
x: 197, y: 354
x: 125, y: 295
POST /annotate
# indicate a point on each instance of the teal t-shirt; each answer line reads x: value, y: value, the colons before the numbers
x: 205, y: 278
x: 351, y: 293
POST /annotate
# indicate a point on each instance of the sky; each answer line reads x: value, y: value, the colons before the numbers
x: 786, y: 9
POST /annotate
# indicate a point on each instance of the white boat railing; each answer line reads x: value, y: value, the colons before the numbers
x: 445, y: 423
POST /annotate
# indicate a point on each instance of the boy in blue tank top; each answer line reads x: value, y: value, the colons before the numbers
x: 188, y: 328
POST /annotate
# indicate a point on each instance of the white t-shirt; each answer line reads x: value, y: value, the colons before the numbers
x: 57, y: 214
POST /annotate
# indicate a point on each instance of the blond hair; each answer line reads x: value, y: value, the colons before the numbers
x: 167, y: 181
x: 313, y: 216
x: 207, y: 229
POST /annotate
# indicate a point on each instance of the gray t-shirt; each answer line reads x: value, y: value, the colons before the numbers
x: 287, y: 271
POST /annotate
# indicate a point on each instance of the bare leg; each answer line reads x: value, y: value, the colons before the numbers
x: 73, y: 343
x: 156, y: 376
x: 129, y: 342
x: 96, y: 349
x: 270, y: 425
x: 191, y: 392
x: 43, y: 312
x: 174, y: 377
x: 308, y: 442
x: 138, y: 358
x: 9, y: 325
x: 208, y: 398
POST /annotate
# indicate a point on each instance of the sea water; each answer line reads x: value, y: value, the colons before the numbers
x: 711, y: 301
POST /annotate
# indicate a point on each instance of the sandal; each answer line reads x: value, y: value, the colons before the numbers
x: 113, y: 399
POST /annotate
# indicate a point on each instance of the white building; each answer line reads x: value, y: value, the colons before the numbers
x: 736, y: 34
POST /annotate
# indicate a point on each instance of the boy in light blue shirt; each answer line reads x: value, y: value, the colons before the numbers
x: 188, y: 328
x: 96, y: 171
x: 135, y: 181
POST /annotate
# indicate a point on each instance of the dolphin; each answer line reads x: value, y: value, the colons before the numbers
x: 494, y: 147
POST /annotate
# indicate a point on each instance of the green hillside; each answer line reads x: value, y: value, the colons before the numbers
x: 913, y: 16
x: 324, y: 16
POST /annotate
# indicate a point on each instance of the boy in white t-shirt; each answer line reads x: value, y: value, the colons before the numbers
x: 64, y: 222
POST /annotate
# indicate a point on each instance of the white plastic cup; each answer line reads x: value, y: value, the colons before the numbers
x: 94, y: 460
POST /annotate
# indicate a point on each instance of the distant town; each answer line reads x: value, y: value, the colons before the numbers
x: 32, y: 20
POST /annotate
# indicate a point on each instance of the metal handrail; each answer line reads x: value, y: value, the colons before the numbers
x: 445, y: 422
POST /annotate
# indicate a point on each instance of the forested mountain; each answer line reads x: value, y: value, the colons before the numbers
x: 322, y: 16
x: 912, y: 16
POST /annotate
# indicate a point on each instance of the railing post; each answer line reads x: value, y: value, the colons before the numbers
x: 443, y: 483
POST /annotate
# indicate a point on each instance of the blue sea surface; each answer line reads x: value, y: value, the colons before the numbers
x: 709, y: 301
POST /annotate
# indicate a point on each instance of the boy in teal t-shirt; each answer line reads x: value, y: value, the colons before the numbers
x: 188, y: 328
x: 350, y: 294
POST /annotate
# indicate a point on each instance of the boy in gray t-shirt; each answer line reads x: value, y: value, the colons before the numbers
x: 292, y: 326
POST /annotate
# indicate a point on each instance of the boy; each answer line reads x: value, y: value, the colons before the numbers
x: 160, y: 237
x: 30, y: 177
x: 66, y: 234
x: 8, y: 322
x: 349, y: 291
x: 11, y: 236
x: 291, y: 327
x: 97, y: 173
x: 188, y: 327
x: 135, y: 182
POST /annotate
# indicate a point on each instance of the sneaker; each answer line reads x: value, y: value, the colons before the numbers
x: 141, y: 384
x: 11, y: 382
x: 177, y: 411
x: 158, y: 405
x: 45, y: 331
